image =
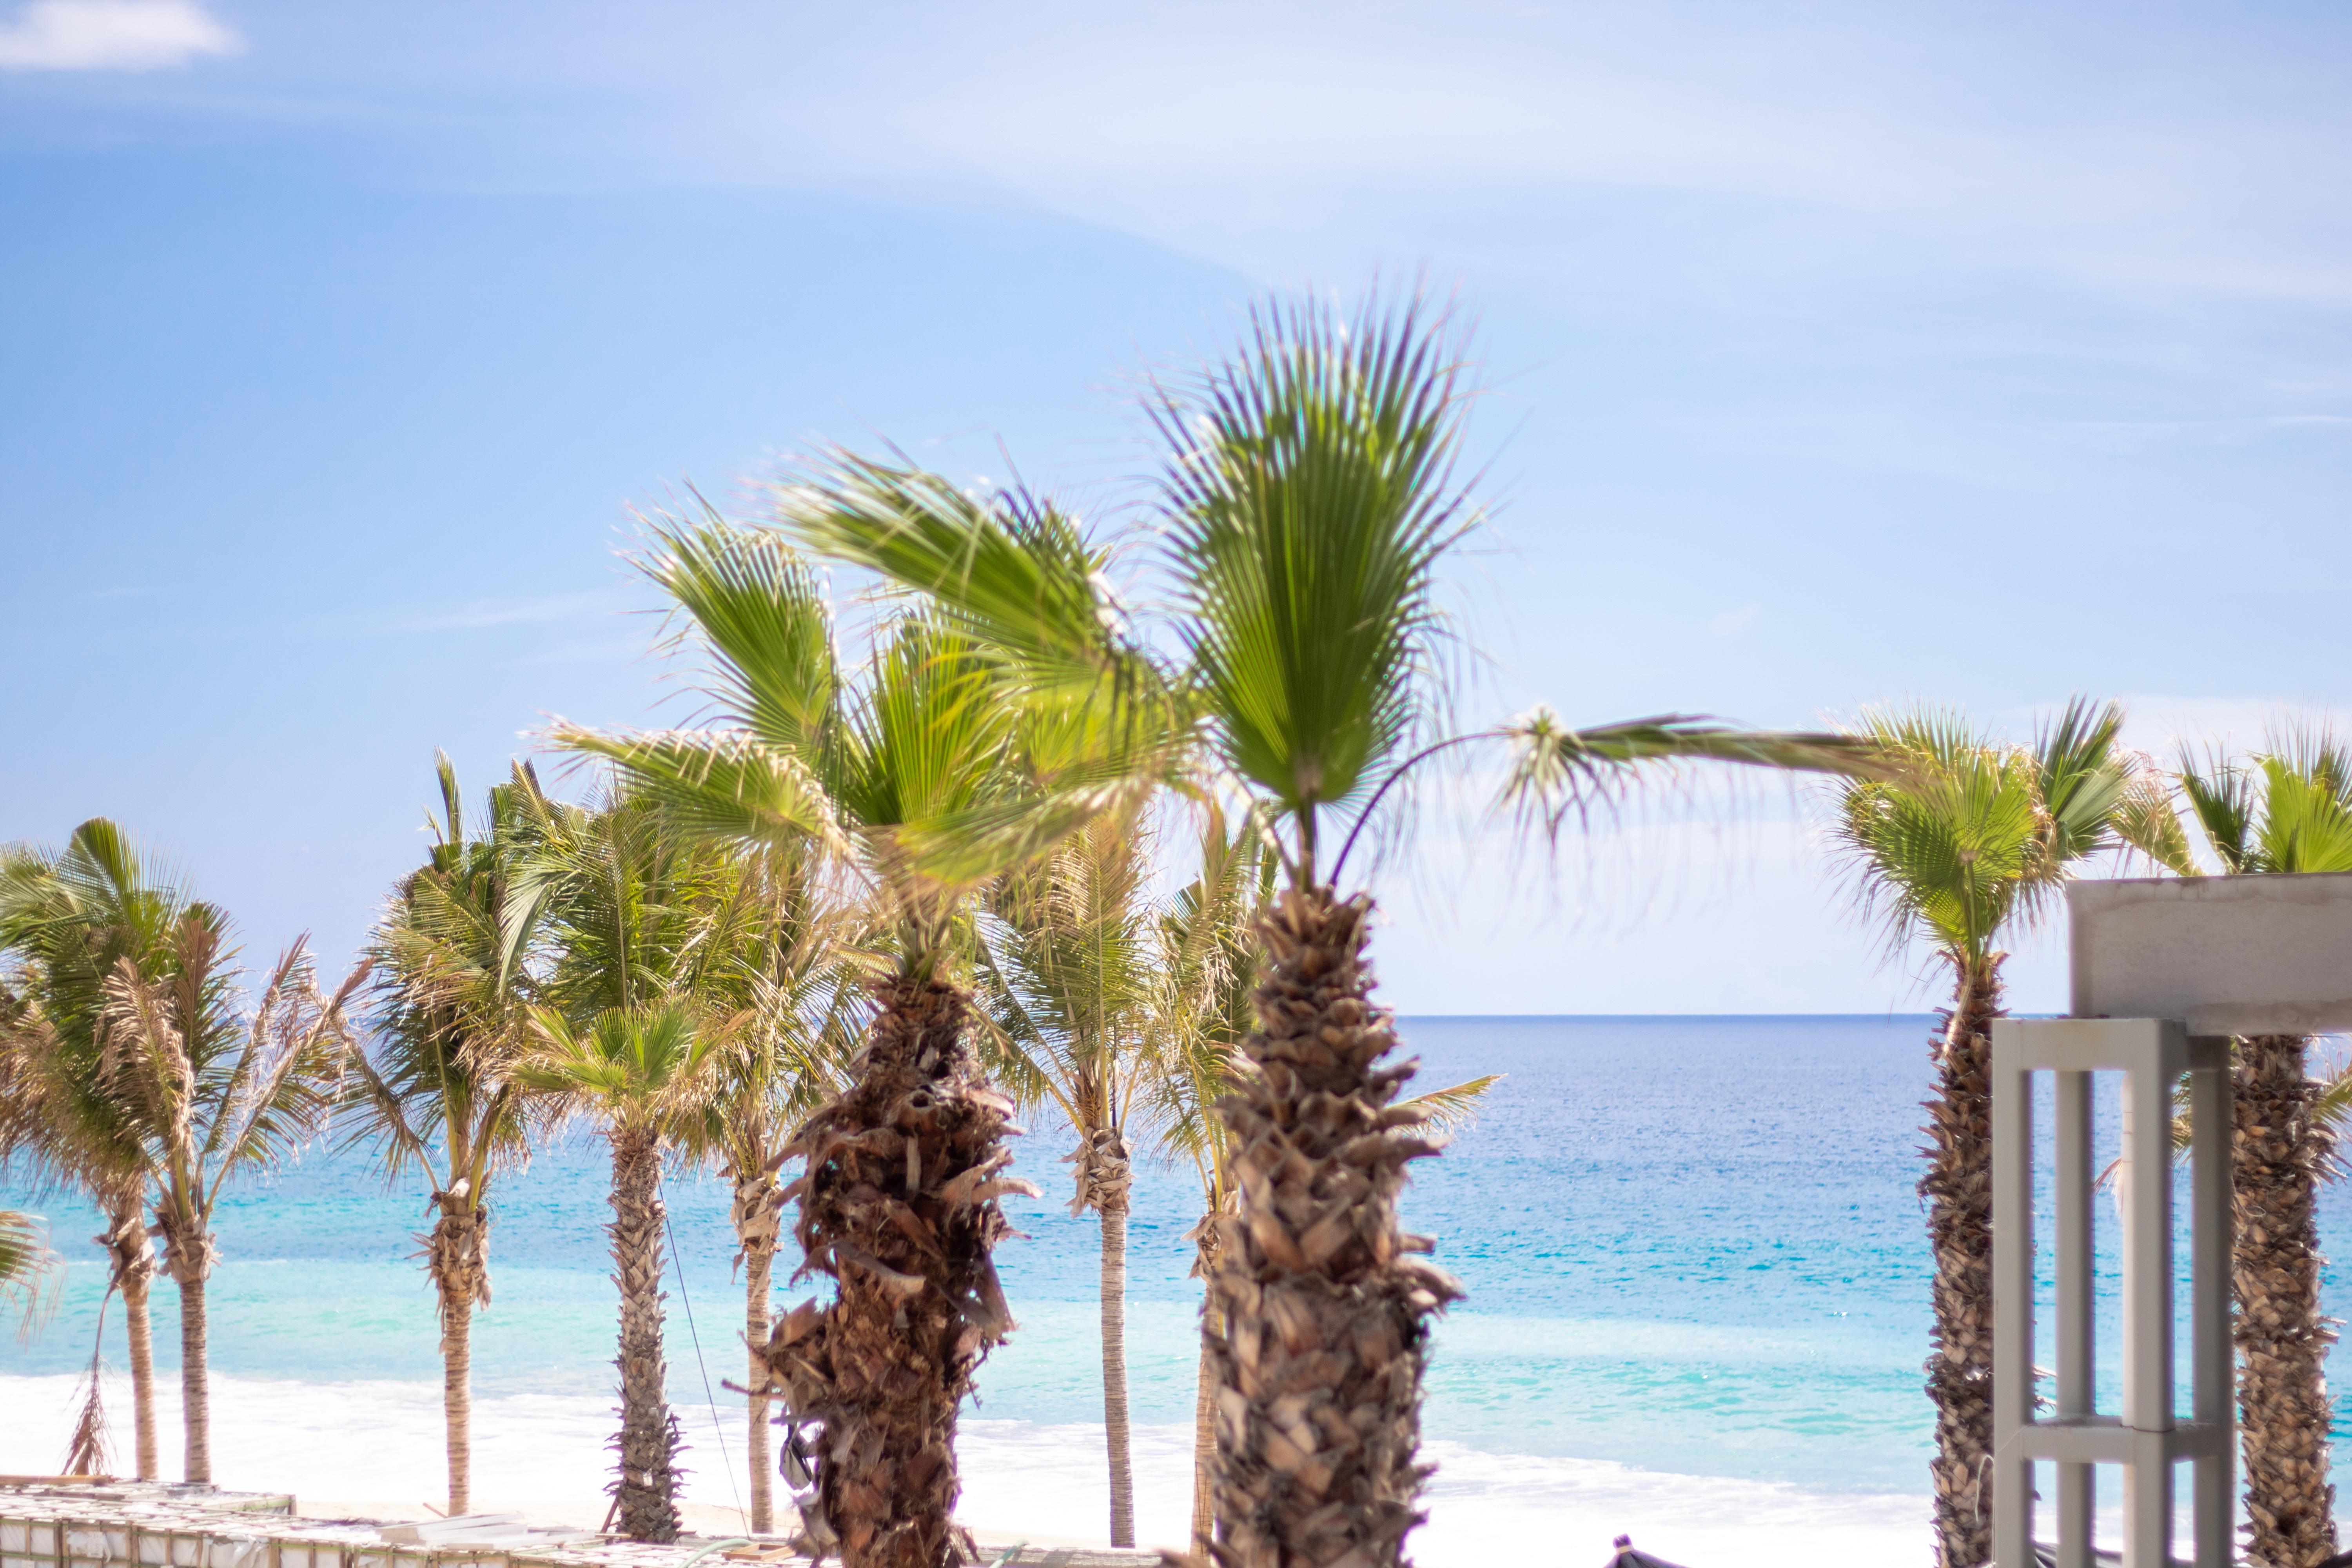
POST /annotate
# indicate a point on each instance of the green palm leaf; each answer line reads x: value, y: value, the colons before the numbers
x: 29, y: 1269
x: 1555, y: 770
x: 1310, y: 495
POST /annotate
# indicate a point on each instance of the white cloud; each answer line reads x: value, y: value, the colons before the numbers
x: 112, y: 35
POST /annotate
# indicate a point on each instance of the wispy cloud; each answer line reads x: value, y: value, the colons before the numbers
x: 507, y: 613
x: 2130, y: 434
x: 474, y: 614
x: 1733, y: 623
x: 112, y: 35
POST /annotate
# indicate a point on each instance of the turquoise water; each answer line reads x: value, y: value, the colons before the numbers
x: 1691, y: 1244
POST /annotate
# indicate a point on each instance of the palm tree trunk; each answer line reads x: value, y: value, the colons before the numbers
x: 2276, y: 1155
x: 758, y: 1267
x: 1325, y: 1313
x: 1114, y: 1358
x: 458, y: 1261
x: 1204, y: 1427
x: 756, y: 1213
x: 645, y: 1491
x: 141, y: 1331
x: 899, y: 1206
x: 195, y: 1387
x: 132, y: 1260
x: 1106, y: 1183
x: 1957, y: 1189
x: 457, y: 1402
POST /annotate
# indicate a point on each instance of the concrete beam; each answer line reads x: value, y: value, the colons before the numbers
x: 2225, y: 955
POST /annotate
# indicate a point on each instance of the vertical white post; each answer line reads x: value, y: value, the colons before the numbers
x: 2209, y: 1153
x: 2146, y: 1178
x: 2013, y: 1298
x: 2076, y: 1381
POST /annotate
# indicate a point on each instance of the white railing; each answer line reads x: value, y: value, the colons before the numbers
x: 2143, y: 1439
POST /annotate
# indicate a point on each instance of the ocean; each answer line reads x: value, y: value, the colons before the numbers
x: 1697, y: 1313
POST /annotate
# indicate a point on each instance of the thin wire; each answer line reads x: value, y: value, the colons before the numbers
x: 678, y: 1265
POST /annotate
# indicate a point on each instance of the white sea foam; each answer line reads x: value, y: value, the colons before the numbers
x: 383, y: 1441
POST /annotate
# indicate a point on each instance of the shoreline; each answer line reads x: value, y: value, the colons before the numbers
x: 349, y: 1448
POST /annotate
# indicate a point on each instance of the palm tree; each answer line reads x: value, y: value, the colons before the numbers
x: 436, y: 1095
x: 921, y: 775
x: 1955, y: 852
x: 1203, y: 1015
x: 1308, y: 503
x: 793, y: 980
x: 640, y: 1070
x: 2287, y: 809
x: 1202, y: 1011
x: 214, y: 1094
x: 66, y: 918
x: 634, y: 936
x: 1066, y: 962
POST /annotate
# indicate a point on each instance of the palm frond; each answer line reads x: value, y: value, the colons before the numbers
x: 762, y: 613
x: 1310, y: 493
x: 2306, y: 821
x: 2147, y: 821
x: 1555, y: 770
x: 28, y: 1270
x: 1955, y: 847
x: 2223, y: 801
x: 1453, y: 1107
x: 2085, y: 777
x: 1013, y: 570
x: 725, y: 784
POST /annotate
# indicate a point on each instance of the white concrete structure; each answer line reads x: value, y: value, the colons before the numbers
x: 2164, y: 971
x: 2146, y: 1437
x: 2224, y: 956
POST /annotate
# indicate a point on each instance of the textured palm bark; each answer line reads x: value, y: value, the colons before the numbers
x: 757, y: 1274
x: 756, y: 1213
x: 2277, y: 1152
x: 644, y: 1493
x: 1106, y: 1185
x: 1957, y: 1189
x: 900, y: 1205
x: 140, y: 1325
x: 1325, y: 1311
x: 196, y: 1385
x: 458, y: 1260
x: 189, y: 1254
x: 1113, y: 1354
x: 131, y: 1258
x: 1205, y: 1401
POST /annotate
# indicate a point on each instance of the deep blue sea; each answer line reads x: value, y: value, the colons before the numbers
x: 1692, y: 1248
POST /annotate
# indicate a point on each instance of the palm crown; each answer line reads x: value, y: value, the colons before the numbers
x: 1973, y: 835
x: 918, y: 769
x: 1308, y: 501
x: 2287, y: 808
x: 70, y: 919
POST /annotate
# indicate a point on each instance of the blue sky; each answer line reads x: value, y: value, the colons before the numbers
x: 1841, y: 354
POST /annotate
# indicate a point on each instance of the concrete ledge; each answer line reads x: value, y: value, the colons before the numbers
x: 2225, y: 955
x: 134, y: 1525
